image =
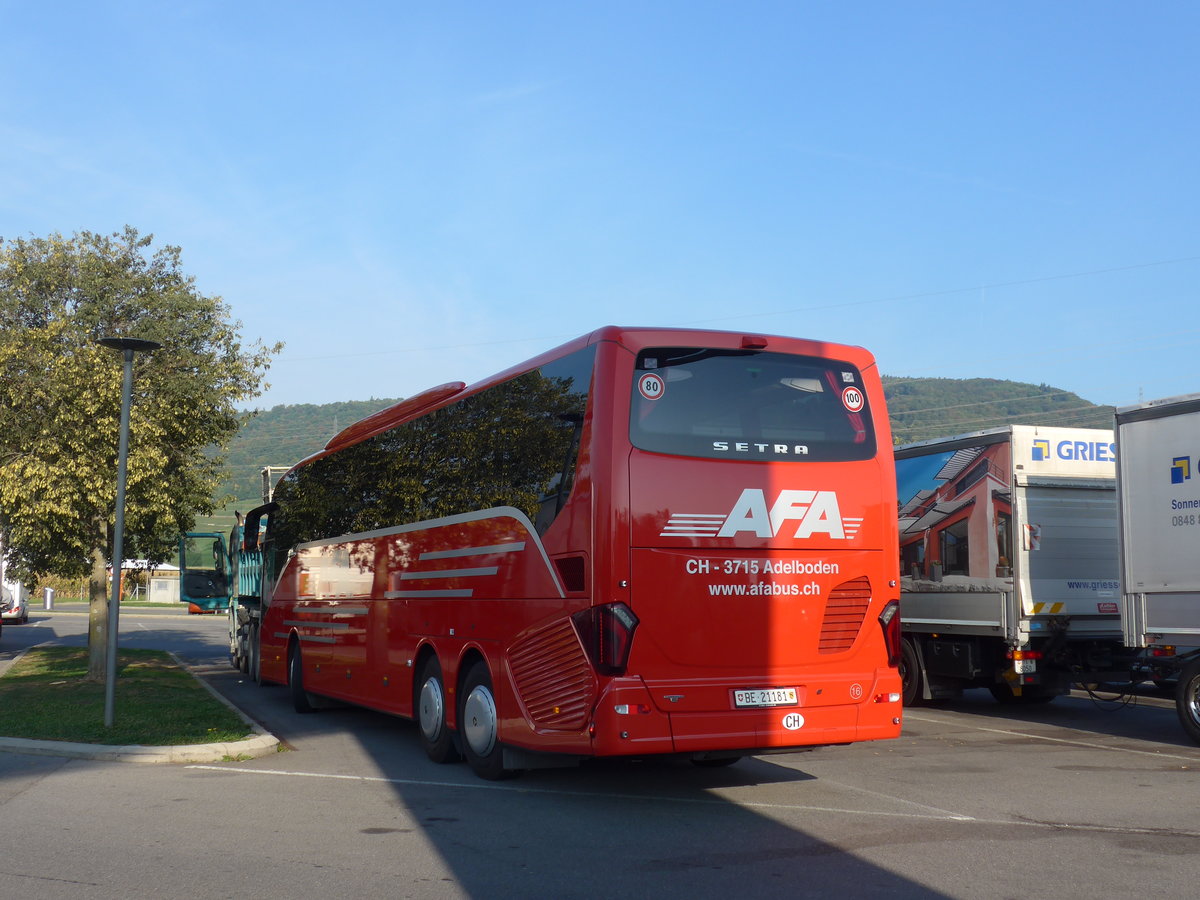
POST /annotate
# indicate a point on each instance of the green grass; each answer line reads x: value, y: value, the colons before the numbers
x: 45, y: 696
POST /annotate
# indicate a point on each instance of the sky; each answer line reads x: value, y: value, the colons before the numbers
x: 408, y: 194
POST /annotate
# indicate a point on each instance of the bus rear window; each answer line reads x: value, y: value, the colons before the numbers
x: 749, y: 405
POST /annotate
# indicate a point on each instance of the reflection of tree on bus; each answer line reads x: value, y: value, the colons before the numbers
x: 505, y: 448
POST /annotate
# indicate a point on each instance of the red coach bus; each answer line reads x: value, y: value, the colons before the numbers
x: 647, y: 541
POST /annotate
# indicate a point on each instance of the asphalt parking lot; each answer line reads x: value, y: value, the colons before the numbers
x: 1071, y: 799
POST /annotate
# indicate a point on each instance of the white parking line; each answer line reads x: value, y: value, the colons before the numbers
x: 940, y: 816
x: 958, y: 722
x: 939, y: 813
x: 934, y: 814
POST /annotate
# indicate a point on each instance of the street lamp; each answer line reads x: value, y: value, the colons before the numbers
x: 128, y: 346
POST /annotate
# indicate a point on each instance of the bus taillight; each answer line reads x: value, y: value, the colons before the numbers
x: 607, y: 635
x: 889, y: 619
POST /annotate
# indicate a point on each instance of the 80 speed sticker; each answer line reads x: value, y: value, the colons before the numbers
x: 651, y: 386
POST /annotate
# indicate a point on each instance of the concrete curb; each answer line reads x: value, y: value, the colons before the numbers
x: 261, y: 743
x: 254, y: 747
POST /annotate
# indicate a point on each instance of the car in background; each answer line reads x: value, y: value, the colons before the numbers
x: 14, y: 606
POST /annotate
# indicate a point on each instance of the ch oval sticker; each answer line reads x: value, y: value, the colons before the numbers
x: 793, y: 721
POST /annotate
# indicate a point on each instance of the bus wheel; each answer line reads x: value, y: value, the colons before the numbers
x: 1187, y: 699
x: 436, y: 738
x: 479, y: 725
x: 911, y: 682
x: 300, y: 700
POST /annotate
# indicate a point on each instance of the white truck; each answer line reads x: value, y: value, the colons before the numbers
x: 1008, y: 558
x: 1159, y: 490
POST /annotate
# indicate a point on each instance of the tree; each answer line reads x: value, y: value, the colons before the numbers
x: 60, y: 404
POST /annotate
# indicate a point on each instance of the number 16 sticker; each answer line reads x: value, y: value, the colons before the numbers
x: 853, y: 399
x: 651, y: 386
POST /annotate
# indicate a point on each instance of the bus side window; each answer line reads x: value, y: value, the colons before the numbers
x: 550, y: 503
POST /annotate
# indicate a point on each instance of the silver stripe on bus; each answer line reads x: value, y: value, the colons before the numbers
x: 397, y: 595
x: 315, y: 639
x: 449, y: 573
x: 496, y: 512
x: 515, y: 547
x: 693, y: 525
x: 331, y: 626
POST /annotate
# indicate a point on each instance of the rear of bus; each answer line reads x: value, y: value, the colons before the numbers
x: 762, y: 581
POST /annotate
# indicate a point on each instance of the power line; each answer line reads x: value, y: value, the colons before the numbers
x: 923, y: 411
x: 926, y: 295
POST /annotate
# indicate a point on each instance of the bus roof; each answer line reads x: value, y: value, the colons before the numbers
x: 632, y: 338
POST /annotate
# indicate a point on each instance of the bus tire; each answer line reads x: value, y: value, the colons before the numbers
x: 436, y: 738
x: 912, y: 679
x: 479, y: 725
x: 1187, y: 699
x: 300, y: 701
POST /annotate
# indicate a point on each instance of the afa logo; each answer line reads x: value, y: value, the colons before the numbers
x: 812, y: 513
x: 1181, y: 469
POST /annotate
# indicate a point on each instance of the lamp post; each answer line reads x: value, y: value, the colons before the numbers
x: 128, y: 346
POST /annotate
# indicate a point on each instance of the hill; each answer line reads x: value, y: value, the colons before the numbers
x: 920, y: 409
x: 284, y: 435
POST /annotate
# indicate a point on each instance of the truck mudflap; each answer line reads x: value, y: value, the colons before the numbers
x: 631, y: 718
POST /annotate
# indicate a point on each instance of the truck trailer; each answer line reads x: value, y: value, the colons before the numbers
x: 1158, y: 446
x: 1008, y: 557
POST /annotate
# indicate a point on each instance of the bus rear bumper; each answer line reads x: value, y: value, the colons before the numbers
x: 627, y: 723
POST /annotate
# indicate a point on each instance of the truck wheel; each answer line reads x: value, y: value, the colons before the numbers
x: 236, y: 656
x: 243, y: 637
x: 436, y: 737
x: 1187, y: 699
x: 300, y: 701
x: 479, y: 725
x: 253, y: 655
x: 912, y: 681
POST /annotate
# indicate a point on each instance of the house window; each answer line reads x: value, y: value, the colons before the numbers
x: 1004, y: 543
x: 973, y: 477
x: 955, y: 558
